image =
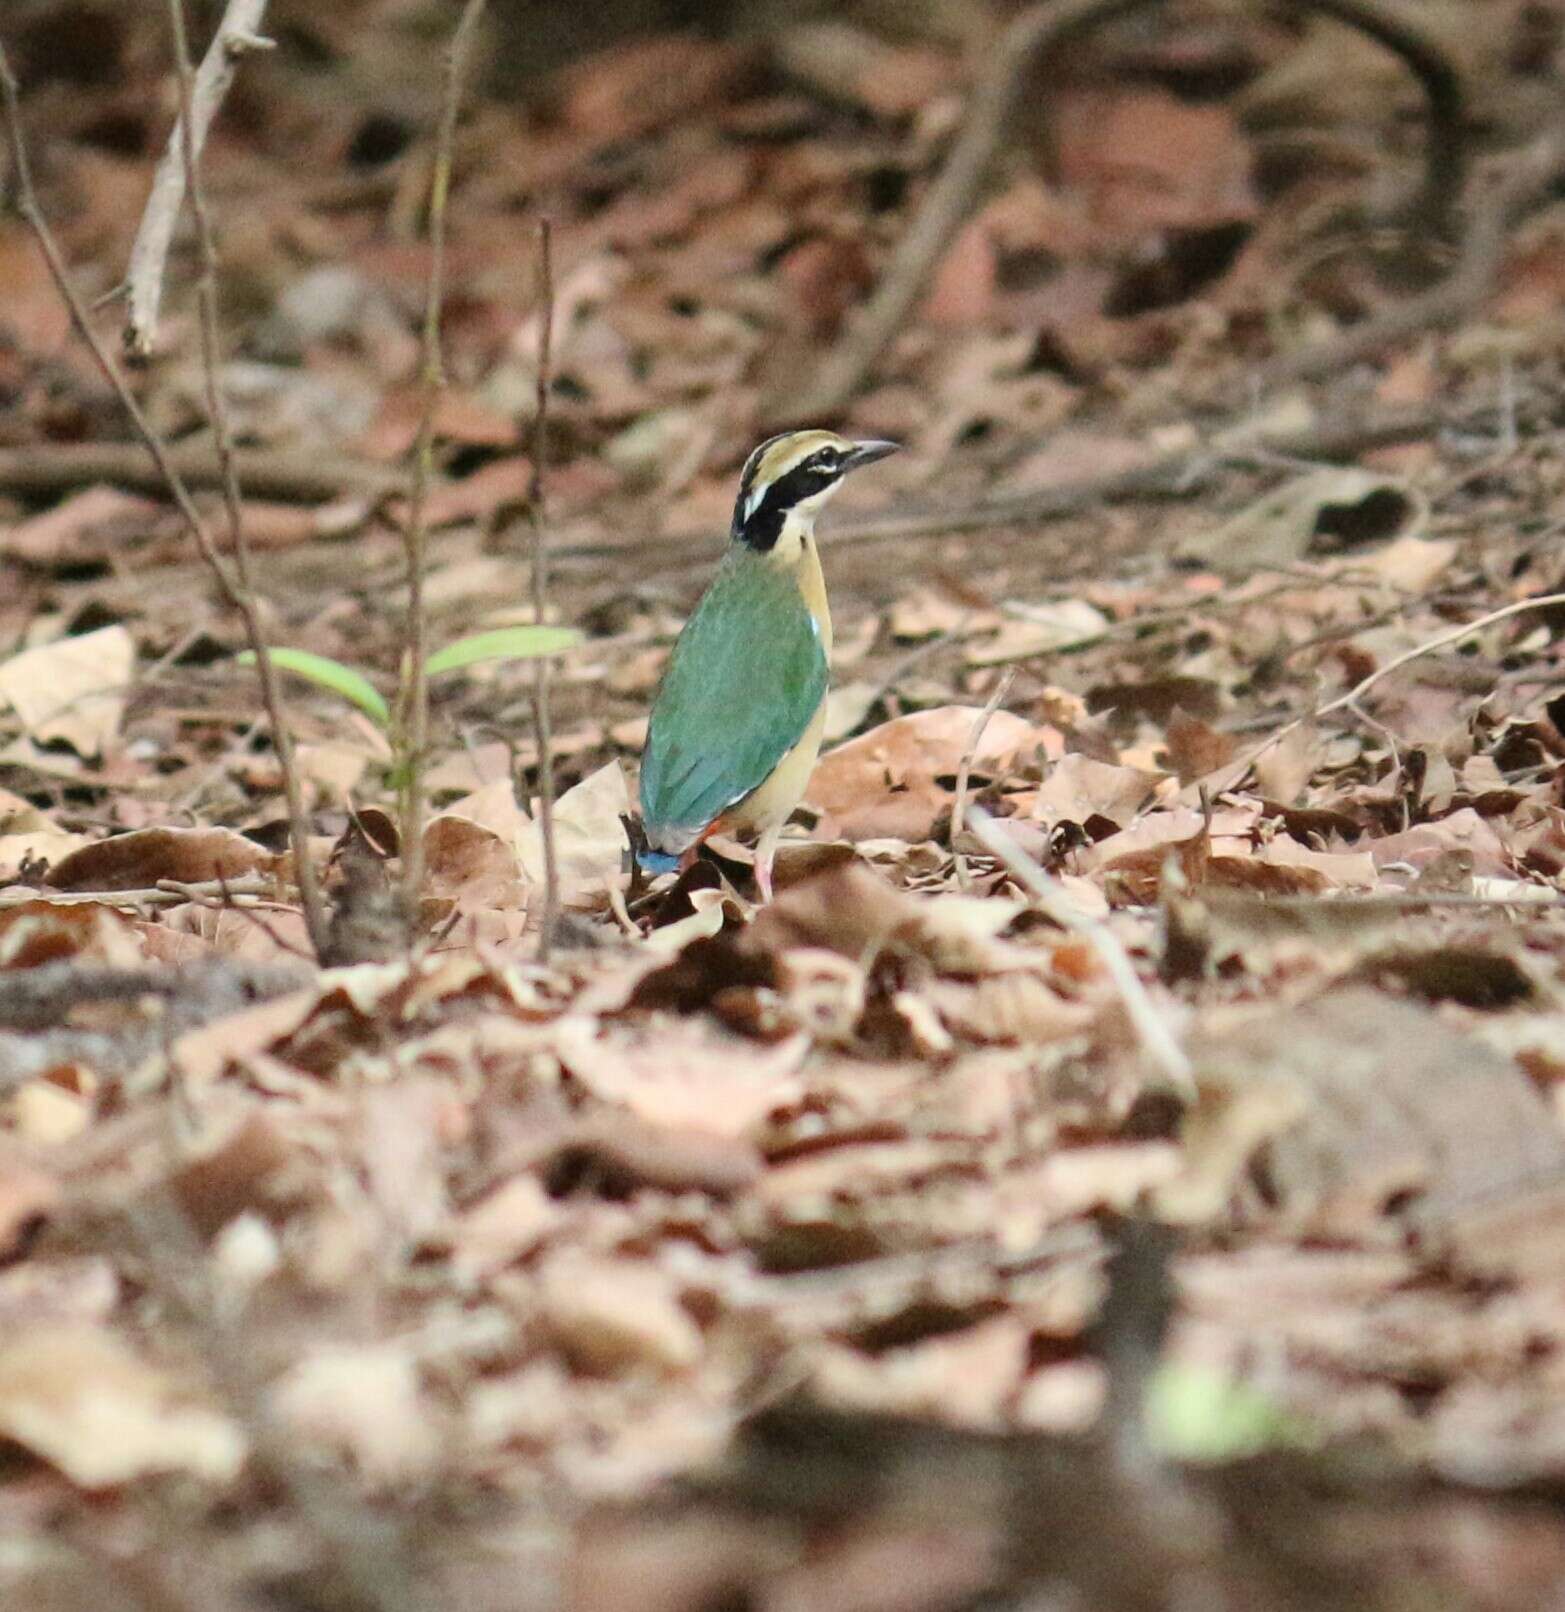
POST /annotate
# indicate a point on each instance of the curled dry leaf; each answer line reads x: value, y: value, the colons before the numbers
x: 1077, y: 789
x: 1343, y: 507
x: 614, y: 1315
x: 500, y: 1228
x: 683, y: 1074
x: 72, y: 689
x: 898, y: 781
x: 365, y: 1405
x: 967, y: 1376
x: 45, y: 931
x: 80, y: 1399
x: 589, y: 837
x: 470, y: 850
x: 80, y: 527
x: 28, y: 1195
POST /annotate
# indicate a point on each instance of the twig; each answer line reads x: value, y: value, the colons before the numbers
x: 56, y: 467
x: 166, y: 893
x: 217, y: 412
x: 1037, y: 32
x: 965, y: 771
x: 413, y: 701
x: 1464, y: 288
x: 538, y: 519
x: 1544, y: 601
x: 1155, y: 1035
x: 234, y: 593
x: 238, y: 33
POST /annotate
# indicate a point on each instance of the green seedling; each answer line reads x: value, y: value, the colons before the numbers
x: 349, y: 683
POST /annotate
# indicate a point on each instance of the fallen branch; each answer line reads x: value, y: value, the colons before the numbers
x: 1543, y: 601
x: 229, y: 585
x: 289, y: 475
x: 166, y: 893
x: 238, y: 33
x: 1053, y: 902
x: 413, y: 696
x: 1035, y: 34
x: 538, y: 519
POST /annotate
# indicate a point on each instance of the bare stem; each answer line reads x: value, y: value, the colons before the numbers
x: 413, y: 699
x: 1055, y: 903
x: 217, y: 411
x: 232, y: 590
x: 538, y: 518
x: 964, y: 772
x: 1348, y: 701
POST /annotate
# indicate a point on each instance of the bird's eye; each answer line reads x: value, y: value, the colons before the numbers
x: 828, y: 459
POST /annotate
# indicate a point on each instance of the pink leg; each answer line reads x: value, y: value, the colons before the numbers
x: 765, y: 850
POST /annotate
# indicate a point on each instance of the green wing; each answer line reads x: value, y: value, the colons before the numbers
x: 746, y: 676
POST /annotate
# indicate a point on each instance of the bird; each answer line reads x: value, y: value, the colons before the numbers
x: 737, y: 719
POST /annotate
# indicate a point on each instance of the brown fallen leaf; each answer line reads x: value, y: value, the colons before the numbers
x: 365, y: 1404
x: 72, y: 689
x: 79, y: 527
x: 28, y: 1195
x: 683, y: 1074
x: 44, y: 931
x: 77, y: 1397
x: 1340, y: 508
x: 1397, y: 1124
x: 589, y: 837
x: 615, y: 1315
x: 139, y: 859
x: 1077, y: 789
x: 500, y: 1228
x: 898, y: 780
x: 1147, y: 160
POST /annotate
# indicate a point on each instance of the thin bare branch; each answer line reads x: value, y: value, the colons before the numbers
x: 538, y: 519
x: 413, y: 703
x: 232, y: 591
x: 238, y: 33
x: 1052, y: 900
x: 964, y: 772
x: 1343, y: 702
x: 315, y: 919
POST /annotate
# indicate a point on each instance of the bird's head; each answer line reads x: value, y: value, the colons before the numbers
x: 788, y: 479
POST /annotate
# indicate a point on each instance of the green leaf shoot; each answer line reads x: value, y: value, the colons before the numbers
x: 333, y: 675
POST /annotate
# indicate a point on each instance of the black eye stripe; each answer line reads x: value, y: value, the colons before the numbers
x: 763, y: 526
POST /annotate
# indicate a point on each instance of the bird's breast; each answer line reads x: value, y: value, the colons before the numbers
x: 812, y: 584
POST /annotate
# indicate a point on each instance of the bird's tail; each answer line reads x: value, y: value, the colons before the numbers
x: 657, y: 861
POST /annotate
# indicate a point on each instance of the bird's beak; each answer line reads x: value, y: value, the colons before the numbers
x: 866, y: 453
